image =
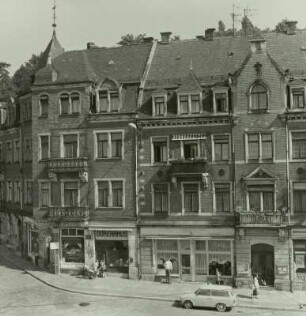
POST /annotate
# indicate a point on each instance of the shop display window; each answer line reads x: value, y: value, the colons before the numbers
x: 299, y: 247
x: 72, y: 245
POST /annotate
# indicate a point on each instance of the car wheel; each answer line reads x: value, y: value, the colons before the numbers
x: 188, y: 305
x: 221, y: 307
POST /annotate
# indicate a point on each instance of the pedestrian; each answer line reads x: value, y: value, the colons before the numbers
x: 168, y: 268
x: 218, y: 276
x: 255, y: 285
x: 103, y: 268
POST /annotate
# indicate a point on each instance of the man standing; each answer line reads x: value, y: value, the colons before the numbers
x: 168, y: 267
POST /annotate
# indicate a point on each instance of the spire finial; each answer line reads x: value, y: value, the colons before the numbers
x: 54, y: 15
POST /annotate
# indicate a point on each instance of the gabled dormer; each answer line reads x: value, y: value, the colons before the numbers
x: 189, y: 95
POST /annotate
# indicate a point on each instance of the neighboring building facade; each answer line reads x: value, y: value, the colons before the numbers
x: 189, y: 150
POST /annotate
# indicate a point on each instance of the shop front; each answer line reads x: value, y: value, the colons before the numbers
x: 195, y: 256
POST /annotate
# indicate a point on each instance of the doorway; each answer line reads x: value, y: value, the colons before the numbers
x: 262, y: 262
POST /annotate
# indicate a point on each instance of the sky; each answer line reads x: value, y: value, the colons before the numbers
x: 26, y: 25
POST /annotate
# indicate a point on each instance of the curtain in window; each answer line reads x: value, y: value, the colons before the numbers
x: 191, y: 198
x: 160, y: 198
x: 266, y: 146
x: 114, y: 101
x: 268, y: 201
x: 103, y: 101
x: 159, y: 105
x: 116, y: 140
x: 299, y: 197
x: 103, y: 193
x: 45, y: 194
x: 71, y: 193
x: 195, y: 103
x: 253, y: 142
x: 117, y: 193
x: 168, y: 249
x: 298, y: 145
x: 64, y: 99
x: 183, y: 104
x: 70, y: 146
x: 102, y: 142
x: 75, y: 103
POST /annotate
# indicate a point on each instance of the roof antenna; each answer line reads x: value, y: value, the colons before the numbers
x: 54, y: 16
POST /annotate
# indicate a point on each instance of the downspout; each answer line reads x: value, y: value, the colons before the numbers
x: 21, y: 158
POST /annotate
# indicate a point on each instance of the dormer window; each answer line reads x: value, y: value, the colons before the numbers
x: 159, y: 105
x: 220, y: 101
x: 69, y: 103
x: 298, y: 98
x: 44, y: 105
x: 258, y: 98
x: 189, y: 103
x: 109, y: 101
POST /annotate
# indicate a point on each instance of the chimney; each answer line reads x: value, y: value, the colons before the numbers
x: 91, y: 45
x: 200, y: 37
x: 209, y: 34
x: 147, y: 40
x: 291, y: 27
x: 165, y: 37
x: 258, y: 45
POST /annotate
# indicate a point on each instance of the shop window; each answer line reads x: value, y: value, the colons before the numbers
x: 45, y: 193
x: 70, y: 193
x: 70, y: 146
x: 191, y: 197
x: 221, y: 147
x: 219, y: 257
x: 159, y: 105
x: 222, y: 198
x: 167, y: 250
x: 44, y: 105
x: 72, y: 245
x: 201, y: 257
x: 298, y: 140
x: 299, y: 197
x: 109, y: 193
x: 299, y: 250
x: 160, y: 150
x: 298, y: 98
x: 258, y: 98
x: 261, y: 198
x: 109, y: 144
x: 160, y: 197
x: 44, y: 147
x: 259, y: 146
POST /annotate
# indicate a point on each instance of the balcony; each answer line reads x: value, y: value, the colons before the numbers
x: 55, y: 165
x: 194, y: 165
x: 258, y: 219
x: 68, y: 212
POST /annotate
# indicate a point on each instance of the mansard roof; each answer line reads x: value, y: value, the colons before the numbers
x: 124, y: 64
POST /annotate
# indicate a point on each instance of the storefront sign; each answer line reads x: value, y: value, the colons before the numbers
x: 111, y: 234
x: 298, y: 233
x: 282, y: 270
x: 54, y: 245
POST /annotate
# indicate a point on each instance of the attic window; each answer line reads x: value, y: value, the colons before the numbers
x: 220, y: 100
x: 159, y: 105
x: 189, y: 103
x: 108, y: 101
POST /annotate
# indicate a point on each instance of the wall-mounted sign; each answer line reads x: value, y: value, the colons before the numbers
x: 54, y: 245
x: 282, y: 270
x: 111, y: 234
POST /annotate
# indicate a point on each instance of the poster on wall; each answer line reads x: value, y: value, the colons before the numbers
x: 282, y: 270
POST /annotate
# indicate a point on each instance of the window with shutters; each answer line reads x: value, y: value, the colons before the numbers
x: 299, y: 197
x: 70, y: 193
x: 160, y: 197
x: 159, y: 149
x: 221, y: 147
x: 191, y: 198
x: 259, y: 146
x: 298, y: 145
x: 261, y: 198
x: 109, y: 193
x: 70, y: 145
x: 108, y: 144
x: 222, y: 197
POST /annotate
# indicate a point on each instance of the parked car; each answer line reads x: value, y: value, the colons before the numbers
x: 220, y: 297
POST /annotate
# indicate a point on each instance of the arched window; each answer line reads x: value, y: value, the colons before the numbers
x: 44, y: 104
x: 259, y: 98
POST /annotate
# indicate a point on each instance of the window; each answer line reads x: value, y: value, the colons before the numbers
x: 72, y: 240
x: 9, y: 152
x: 298, y: 98
x: 70, y: 103
x: 28, y: 149
x: 191, y: 149
x: 27, y: 111
x: 44, y: 105
x: 109, y: 144
x: 109, y: 101
x: 299, y: 250
x: 221, y: 147
x: 261, y: 198
x: 9, y: 190
x: 70, y: 196
x: 44, y: 149
x: 110, y: 193
x: 160, y: 197
x: 298, y: 140
x: 189, y: 104
x: 219, y: 257
x: 191, y: 197
x: 1, y: 152
x: 28, y: 193
x: 45, y: 193
x: 221, y: 102
x: 70, y: 146
x: 259, y: 98
x: 16, y: 150
x: 299, y: 197
x: 259, y: 146
x: 159, y: 105
x: 167, y: 249
x: 222, y: 198
x: 160, y: 150
x: 17, y: 191
x: 201, y: 257
x: 2, y: 197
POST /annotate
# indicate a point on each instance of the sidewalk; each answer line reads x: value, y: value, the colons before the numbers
x: 114, y: 286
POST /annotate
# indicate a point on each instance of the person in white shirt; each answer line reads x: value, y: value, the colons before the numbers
x: 168, y: 267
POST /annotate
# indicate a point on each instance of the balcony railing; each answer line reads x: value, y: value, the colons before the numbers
x: 194, y: 165
x: 68, y: 212
x: 67, y: 164
x: 258, y: 219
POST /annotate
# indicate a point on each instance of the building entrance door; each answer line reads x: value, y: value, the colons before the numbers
x: 185, y: 260
x: 262, y: 262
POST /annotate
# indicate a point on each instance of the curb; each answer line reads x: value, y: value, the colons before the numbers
x: 150, y: 298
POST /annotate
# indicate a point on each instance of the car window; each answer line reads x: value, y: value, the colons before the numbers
x: 220, y: 293
x: 203, y: 292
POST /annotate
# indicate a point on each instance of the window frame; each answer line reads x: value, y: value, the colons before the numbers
x: 63, y: 181
x: 189, y: 102
x: 154, y: 97
x: 9, y: 153
x: 62, y: 147
x: 216, y: 91
x: 109, y: 104
x: 40, y: 147
x: 110, y: 197
x: 291, y: 101
x: 155, y: 139
x: 46, y: 97
x: 40, y: 182
x: 183, y: 197
x: 292, y: 159
x: 258, y: 184
x: 292, y: 196
x: 69, y: 103
x: 27, y: 153
x: 16, y: 157
x: 28, y: 201
x: 249, y: 96
x: 9, y: 190
x: 153, y: 197
x: 109, y: 144
x: 17, y: 191
x: 198, y: 144
x: 260, y: 147
x: 213, y: 152
x: 229, y: 183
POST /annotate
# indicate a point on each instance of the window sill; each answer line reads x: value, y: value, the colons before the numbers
x: 263, y: 111
x: 69, y: 115
x: 108, y: 159
x: 120, y: 208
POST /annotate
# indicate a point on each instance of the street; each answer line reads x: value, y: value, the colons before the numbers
x: 21, y: 294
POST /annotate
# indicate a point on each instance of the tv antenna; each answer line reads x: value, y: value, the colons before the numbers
x: 234, y: 15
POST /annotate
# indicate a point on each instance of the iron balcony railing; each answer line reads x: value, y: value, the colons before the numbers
x: 261, y: 219
x: 67, y: 164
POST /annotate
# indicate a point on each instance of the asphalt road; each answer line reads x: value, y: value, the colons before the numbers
x: 23, y: 295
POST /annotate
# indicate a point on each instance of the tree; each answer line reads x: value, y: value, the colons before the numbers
x: 130, y: 39
x: 221, y: 26
x: 7, y: 89
x: 247, y: 26
x: 282, y: 27
x: 23, y: 77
